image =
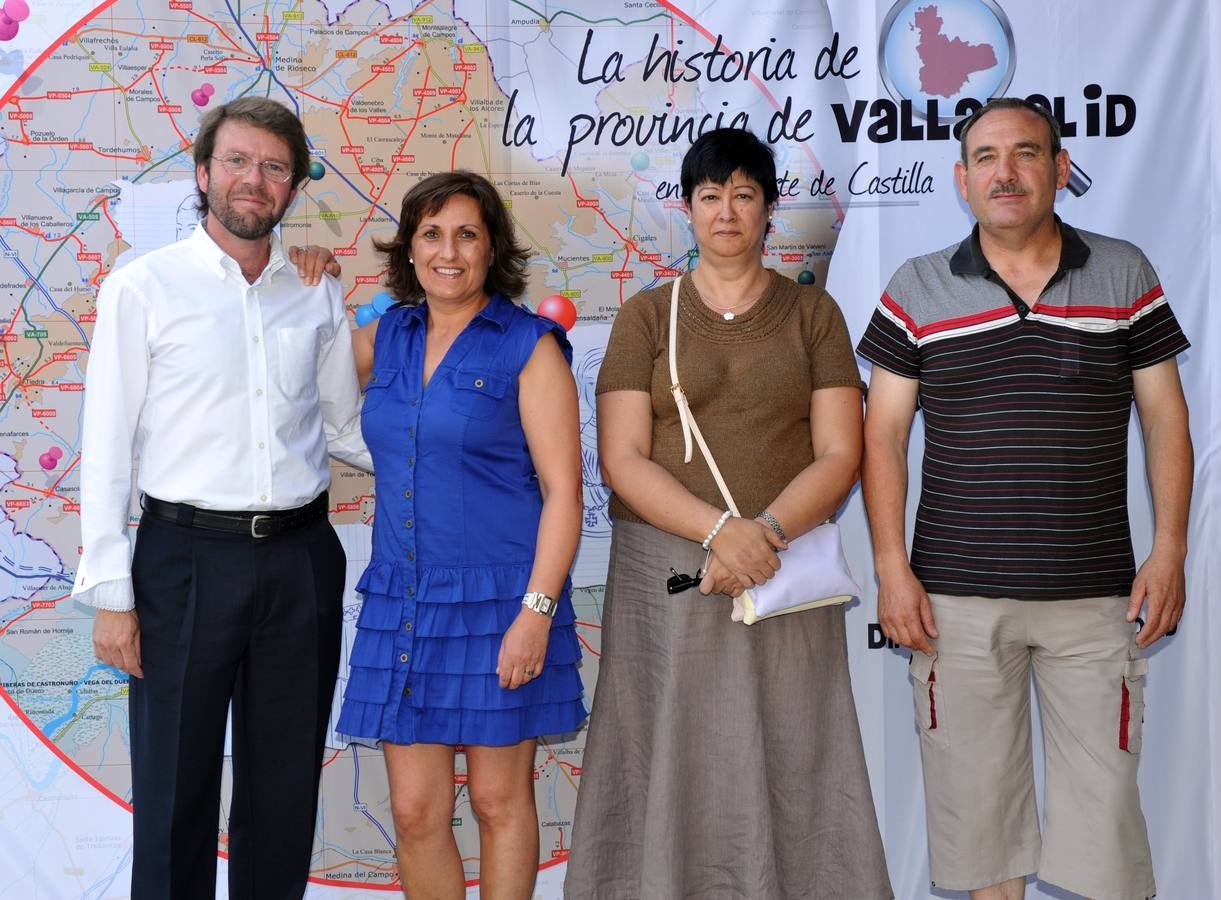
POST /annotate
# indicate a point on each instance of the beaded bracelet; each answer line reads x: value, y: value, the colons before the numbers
x: 773, y: 524
x: 715, y: 530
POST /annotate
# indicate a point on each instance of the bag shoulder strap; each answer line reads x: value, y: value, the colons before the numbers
x: 686, y: 417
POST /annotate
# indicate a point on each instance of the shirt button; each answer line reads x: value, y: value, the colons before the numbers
x: 407, y: 692
x: 478, y: 382
x: 410, y: 555
x: 403, y: 657
x: 410, y: 591
x: 261, y: 445
x: 409, y: 523
x: 415, y: 402
x: 410, y: 432
x: 411, y: 460
x: 258, y: 392
x: 372, y: 378
x: 407, y: 493
x: 407, y: 627
x: 256, y: 338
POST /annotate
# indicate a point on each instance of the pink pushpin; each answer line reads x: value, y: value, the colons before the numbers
x: 8, y: 28
x: 17, y: 10
x: 47, y: 461
x: 207, y: 89
x: 199, y: 98
x: 56, y: 452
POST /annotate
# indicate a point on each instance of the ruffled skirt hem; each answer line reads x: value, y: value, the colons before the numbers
x: 363, y: 723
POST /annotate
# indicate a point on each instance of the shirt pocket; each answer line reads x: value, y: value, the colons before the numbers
x: 378, y: 389
x: 478, y: 392
x: 298, y: 349
x: 1095, y: 365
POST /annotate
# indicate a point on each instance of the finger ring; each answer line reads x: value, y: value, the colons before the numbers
x: 529, y: 673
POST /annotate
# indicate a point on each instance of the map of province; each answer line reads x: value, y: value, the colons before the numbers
x: 947, y: 62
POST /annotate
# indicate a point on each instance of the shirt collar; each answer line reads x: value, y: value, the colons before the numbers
x: 223, y: 264
x: 499, y: 312
x: 969, y: 258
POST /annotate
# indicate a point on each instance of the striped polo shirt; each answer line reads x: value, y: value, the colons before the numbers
x: 1026, y: 414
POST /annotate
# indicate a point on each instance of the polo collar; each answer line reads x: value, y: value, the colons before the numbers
x: 969, y: 258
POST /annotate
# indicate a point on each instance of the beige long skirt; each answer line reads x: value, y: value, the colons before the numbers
x: 722, y: 761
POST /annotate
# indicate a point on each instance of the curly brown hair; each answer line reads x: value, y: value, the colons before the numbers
x: 507, y: 273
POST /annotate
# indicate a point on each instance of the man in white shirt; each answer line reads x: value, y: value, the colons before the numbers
x: 226, y: 379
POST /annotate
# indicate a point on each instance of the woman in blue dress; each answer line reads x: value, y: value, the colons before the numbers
x: 466, y: 636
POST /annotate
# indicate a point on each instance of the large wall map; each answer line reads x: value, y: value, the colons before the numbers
x: 95, y: 168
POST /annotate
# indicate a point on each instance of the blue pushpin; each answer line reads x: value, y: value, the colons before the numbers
x: 382, y: 302
x: 365, y: 313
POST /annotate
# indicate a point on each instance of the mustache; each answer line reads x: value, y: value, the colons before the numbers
x: 1007, y: 189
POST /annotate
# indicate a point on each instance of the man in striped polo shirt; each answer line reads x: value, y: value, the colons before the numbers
x: 1025, y: 346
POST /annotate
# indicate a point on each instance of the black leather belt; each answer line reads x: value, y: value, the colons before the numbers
x: 268, y: 523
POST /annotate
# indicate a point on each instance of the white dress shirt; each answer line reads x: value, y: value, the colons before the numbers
x: 226, y: 395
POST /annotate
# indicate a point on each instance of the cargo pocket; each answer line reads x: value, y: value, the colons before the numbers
x: 929, y: 696
x: 1132, y: 704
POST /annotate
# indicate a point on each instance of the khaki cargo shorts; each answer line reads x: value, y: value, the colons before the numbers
x: 973, y: 711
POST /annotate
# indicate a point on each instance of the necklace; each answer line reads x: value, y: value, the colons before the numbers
x: 729, y: 313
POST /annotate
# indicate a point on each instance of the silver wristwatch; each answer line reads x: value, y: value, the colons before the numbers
x: 540, y: 603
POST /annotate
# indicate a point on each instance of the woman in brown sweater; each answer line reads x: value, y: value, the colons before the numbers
x: 724, y: 760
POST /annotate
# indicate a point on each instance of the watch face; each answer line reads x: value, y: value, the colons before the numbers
x: 540, y: 603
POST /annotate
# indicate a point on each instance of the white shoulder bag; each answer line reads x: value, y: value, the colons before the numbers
x: 813, y: 569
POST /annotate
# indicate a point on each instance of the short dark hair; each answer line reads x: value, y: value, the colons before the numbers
x: 507, y: 273
x: 260, y: 112
x: 716, y: 155
x: 1053, y: 124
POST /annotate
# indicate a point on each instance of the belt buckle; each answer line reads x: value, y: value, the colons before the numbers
x: 254, y: 526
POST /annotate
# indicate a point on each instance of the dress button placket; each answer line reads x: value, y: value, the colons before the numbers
x: 406, y: 634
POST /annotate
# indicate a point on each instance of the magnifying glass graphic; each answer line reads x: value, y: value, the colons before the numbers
x: 935, y: 53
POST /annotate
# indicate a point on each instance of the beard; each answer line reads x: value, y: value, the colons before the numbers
x: 248, y: 226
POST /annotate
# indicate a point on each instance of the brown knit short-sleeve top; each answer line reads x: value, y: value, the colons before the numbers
x: 748, y: 381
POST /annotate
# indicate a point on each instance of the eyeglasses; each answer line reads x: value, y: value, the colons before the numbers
x: 678, y: 582
x: 237, y: 164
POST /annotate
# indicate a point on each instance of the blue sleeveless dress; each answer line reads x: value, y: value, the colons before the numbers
x: 458, y: 508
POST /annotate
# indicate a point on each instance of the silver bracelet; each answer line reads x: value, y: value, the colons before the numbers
x: 773, y: 524
x: 707, y: 545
